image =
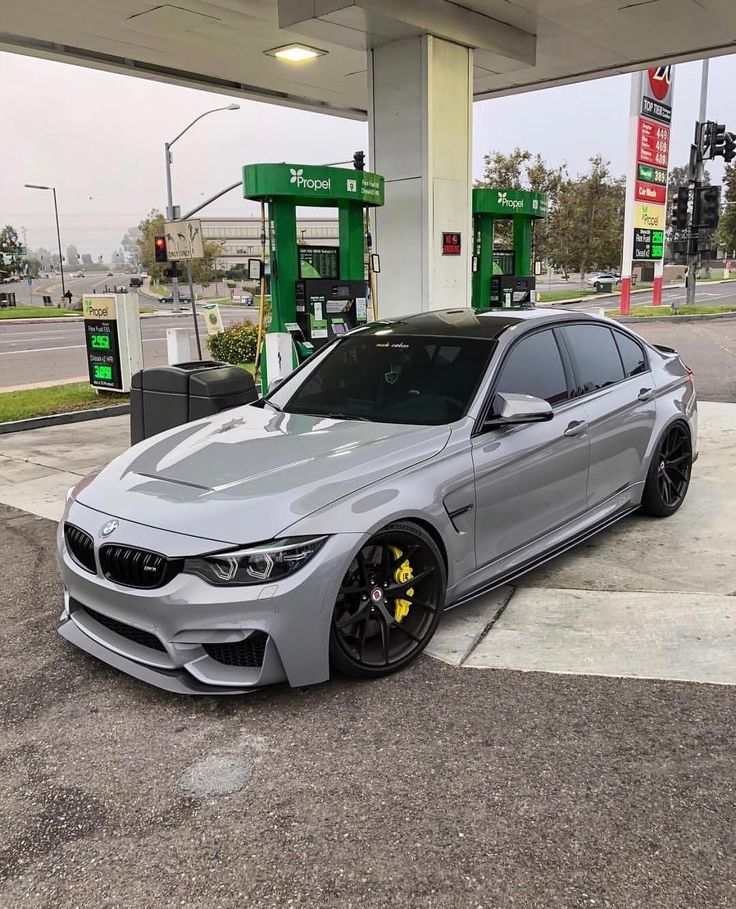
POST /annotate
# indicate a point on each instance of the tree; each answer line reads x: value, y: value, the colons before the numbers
x: 522, y: 170
x: 726, y: 233
x: 129, y: 244
x: 586, y: 226
x: 32, y: 266
x: 72, y: 256
x: 86, y: 259
x: 729, y: 183
x: 11, y: 250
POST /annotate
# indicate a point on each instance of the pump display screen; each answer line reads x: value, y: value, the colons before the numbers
x: 103, y: 353
x: 318, y: 261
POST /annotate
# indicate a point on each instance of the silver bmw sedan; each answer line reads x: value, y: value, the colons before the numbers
x: 400, y: 471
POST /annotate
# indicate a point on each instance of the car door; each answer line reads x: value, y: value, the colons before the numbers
x: 613, y: 380
x: 530, y: 478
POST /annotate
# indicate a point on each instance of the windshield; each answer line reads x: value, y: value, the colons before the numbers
x: 409, y: 379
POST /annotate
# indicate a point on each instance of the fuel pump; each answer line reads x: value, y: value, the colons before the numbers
x: 504, y: 277
x: 317, y: 292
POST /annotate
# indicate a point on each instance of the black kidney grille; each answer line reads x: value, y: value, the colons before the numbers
x: 81, y: 546
x: 247, y: 653
x: 137, y: 567
x: 137, y: 635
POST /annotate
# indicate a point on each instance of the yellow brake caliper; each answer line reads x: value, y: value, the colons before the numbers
x: 402, y: 574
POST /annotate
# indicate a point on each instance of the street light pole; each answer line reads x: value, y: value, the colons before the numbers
x: 170, y: 198
x: 58, y: 232
x: 58, y: 240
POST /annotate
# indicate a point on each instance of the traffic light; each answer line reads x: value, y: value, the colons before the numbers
x: 729, y: 147
x: 708, y: 207
x: 359, y: 160
x: 679, y: 209
x: 159, y: 246
x: 716, y: 142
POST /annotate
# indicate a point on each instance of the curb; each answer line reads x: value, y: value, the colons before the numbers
x: 59, y: 419
x: 707, y: 317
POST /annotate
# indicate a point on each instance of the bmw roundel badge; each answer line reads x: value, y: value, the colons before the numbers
x: 109, y: 528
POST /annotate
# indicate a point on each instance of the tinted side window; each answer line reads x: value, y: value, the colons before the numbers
x: 534, y: 367
x: 596, y: 356
x: 631, y: 353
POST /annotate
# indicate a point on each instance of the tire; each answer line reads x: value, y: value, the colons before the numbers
x: 389, y: 604
x: 669, y: 473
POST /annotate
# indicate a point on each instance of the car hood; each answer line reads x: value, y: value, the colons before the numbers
x: 247, y: 474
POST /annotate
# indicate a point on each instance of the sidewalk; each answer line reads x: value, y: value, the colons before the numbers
x: 646, y: 599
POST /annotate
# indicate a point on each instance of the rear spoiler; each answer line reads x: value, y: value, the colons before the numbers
x: 664, y: 349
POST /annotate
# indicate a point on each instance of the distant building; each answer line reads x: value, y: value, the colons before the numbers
x: 240, y: 238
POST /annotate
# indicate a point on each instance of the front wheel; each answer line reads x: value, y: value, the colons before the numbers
x: 669, y: 473
x: 389, y: 604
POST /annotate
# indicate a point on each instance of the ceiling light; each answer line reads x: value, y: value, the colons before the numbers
x: 295, y: 53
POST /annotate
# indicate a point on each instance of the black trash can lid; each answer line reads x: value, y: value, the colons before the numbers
x: 227, y: 380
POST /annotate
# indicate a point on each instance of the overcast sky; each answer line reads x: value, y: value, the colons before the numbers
x: 99, y: 137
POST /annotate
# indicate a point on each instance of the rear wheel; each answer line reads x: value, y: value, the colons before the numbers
x: 390, y: 602
x: 669, y: 473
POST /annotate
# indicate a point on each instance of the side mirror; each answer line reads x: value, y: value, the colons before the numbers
x: 274, y: 384
x: 512, y: 408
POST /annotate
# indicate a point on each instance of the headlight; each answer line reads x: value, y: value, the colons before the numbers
x: 257, y: 564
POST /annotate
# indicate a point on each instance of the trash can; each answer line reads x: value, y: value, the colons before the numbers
x: 603, y: 287
x: 166, y: 396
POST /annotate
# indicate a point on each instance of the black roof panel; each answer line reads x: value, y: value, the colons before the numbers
x: 461, y: 323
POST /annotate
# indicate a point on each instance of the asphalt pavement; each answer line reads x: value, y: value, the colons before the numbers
x: 43, y: 351
x: 439, y: 787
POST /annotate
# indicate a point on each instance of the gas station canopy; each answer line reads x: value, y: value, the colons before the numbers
x: 229, y: 46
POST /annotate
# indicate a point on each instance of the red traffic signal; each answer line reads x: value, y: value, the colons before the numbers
x: 159, y: 246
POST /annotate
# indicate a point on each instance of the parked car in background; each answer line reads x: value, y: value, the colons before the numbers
x: 401, y: 470
x: 603, y: 277
x: 183, y: 298
x: 136, y: 282
x: 78, y: 274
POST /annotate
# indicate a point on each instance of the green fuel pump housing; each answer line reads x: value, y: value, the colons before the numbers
x: 504, y: 278
x: 317, y: 293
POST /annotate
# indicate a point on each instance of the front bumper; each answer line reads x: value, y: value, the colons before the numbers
x: 191, y: 637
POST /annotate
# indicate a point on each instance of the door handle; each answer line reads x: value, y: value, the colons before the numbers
x: 645, y: 394
x: 576, y: 428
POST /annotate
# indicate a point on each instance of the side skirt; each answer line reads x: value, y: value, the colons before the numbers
x: 538, y: 560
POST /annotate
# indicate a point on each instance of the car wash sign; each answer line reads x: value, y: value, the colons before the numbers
x: 101, y: 341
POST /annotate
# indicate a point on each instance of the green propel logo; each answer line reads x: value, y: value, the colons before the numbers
x: 297, y: 177
x: 504, y: 200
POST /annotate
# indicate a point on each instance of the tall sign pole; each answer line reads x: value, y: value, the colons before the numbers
x: 650, y: 114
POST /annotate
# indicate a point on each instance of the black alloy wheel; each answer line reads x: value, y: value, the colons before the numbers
x: 669, y: 474
x: 389, y: 604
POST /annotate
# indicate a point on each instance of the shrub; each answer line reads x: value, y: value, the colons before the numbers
x: 237, y: 344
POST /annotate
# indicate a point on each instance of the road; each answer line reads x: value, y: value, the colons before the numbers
x: 41, y: 351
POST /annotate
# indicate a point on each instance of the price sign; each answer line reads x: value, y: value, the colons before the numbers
x: 648, y: 174
x: 451, y: 243
x: 648, y: 244
x: 101, y: 342
x: 653, y: 143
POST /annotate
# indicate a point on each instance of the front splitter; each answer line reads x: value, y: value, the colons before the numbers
x: 177, y: 680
